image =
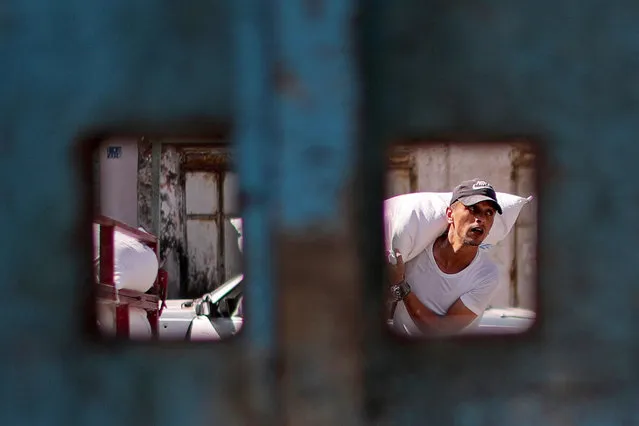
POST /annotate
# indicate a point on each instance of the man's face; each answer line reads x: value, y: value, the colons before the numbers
x: 471, y: 224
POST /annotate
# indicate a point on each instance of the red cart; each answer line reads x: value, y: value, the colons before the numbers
x: 124, y: 299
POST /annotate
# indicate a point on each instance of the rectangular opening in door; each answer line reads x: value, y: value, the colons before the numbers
x: 460, y: 223
x: 167, y: 239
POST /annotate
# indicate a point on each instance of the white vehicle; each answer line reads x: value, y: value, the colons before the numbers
x: 218, y: 315
x: 214, y: 316
x: 498, y: 321
x: 504, y: 321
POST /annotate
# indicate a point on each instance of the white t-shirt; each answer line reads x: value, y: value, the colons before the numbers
x: 437, y: 290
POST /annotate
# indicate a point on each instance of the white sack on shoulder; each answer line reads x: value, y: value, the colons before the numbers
x: 413, y: 221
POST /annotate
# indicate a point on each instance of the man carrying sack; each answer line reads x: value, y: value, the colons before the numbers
x: 449, y: 284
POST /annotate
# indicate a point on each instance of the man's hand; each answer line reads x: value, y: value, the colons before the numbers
x: 456, y: 318
x: 396, y: 272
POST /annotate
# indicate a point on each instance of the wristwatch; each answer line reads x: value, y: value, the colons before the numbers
x: 400, y: 291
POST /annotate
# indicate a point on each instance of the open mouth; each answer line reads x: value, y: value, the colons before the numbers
x: 477, y: 230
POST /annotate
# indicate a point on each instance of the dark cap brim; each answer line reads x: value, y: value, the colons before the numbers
x: 474, y: 199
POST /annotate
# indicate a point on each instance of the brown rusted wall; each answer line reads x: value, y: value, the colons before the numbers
x: 145, y: 188
x: 319, y: 322
x: 186, y: 279
x: 212, y: 199
x: 172, y: 232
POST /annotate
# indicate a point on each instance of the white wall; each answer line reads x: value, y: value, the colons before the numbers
x: 119, y: 181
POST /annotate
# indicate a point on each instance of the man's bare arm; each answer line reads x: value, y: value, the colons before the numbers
x: 456, y: 318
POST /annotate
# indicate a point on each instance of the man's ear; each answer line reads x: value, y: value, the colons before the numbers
x: 449, y: 215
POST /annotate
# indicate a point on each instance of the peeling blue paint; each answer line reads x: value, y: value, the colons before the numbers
x: 317, y: 119
x: 285, y: 77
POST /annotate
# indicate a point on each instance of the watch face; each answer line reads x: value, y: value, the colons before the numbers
x: 396, y: 292
x: 400, y: 291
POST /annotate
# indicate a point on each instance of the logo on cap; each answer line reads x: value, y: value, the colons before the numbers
x: 481, y: 184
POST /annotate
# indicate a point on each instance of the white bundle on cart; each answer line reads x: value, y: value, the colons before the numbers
x: 413, y: 221
x: 139, y: 326
x: 135, y: 263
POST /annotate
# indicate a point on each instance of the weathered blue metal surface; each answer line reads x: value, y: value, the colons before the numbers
x: 561, y: 72
x: 316, y: 109
x: 256, y: 147
x: 315, y: 237
x: 566, y: 75
x: 69, y: 68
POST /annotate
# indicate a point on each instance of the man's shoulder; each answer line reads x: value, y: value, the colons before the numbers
x: 487, y: 267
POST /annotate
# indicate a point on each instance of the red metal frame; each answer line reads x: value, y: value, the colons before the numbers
x: 124, y: 299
